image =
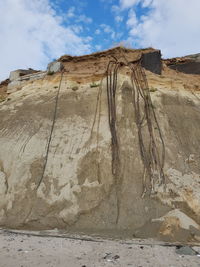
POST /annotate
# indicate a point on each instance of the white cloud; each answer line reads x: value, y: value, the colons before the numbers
x: 115, y: 9
x: 132, y: 19
x: 77, y: 17
x: 76, y: 28
x: 98, y: 47
x: 119, y: 19
x: 124, y: 4
x: 31, y: 34
x: 172, y: 26
x: 84, y: 19
x: 147, y: 3
x: 128, y: 3
x: 88, y: 39
x: 117, y: 13
x: 107, y: 29
x: 118, y: 35
x: 97, y: 32
x: 70, y: 12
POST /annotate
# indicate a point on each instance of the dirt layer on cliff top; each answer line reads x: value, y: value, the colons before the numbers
x: 136, y: 53
x: 97, y: 63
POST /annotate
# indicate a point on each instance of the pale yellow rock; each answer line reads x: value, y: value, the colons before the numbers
x: 78, y: 188
x: 178, y: 218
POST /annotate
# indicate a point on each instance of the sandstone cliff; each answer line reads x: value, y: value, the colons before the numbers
x: 56, y: 152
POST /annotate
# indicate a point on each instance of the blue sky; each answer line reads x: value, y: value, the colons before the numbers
x: 34, y: 32
x: 106, y: 24
x: 98, y: 22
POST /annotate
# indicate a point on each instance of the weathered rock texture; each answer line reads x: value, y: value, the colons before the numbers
x: 188, y: 64
x: 14, y: 75
x: 97, y: 63
x: 78, y: 190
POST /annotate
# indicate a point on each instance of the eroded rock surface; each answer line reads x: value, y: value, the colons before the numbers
x: 72, y: 186
x: 189, y: 64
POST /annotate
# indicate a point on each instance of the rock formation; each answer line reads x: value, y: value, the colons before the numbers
x: 188, y: 64
x: 56, y: 150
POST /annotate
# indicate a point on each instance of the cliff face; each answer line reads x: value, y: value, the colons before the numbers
x: 189, y: 64
x: 56, y: 154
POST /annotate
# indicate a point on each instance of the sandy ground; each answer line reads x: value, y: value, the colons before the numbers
x: 26, y: 250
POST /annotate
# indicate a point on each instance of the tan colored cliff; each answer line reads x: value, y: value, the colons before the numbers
x: 78, y: 190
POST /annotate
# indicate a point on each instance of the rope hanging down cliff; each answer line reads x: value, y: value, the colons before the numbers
x: 152, y: 148
x: 51, y: 132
